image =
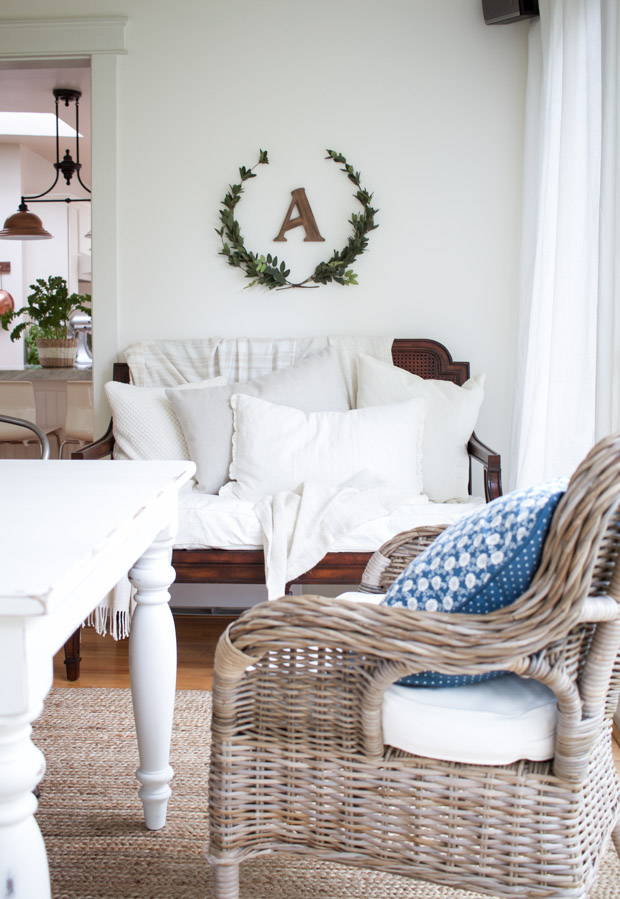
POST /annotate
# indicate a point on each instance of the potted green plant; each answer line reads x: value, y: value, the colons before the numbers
x: 48, y: 310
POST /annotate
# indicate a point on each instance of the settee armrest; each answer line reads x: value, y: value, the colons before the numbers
x: 477, y: 450
x: 100, y: 449
x: 492, y: 466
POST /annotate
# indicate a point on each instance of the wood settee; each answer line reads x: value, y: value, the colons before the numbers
x: 421, y: 356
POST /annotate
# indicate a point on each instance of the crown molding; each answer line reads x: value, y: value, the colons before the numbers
x: 27, y: 38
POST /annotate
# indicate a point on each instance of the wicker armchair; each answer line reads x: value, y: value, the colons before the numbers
x: 298, y: 761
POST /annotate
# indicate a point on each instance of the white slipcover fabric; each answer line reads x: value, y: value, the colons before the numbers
x: 226, y: 522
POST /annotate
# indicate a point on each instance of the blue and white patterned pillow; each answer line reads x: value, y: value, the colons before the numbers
x: 483, y: 562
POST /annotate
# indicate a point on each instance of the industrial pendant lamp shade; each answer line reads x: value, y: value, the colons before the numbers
x: 24, y: 225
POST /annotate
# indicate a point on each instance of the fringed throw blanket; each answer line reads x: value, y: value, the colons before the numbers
x: 113, y: 614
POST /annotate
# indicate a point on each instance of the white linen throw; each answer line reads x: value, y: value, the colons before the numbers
x: 301, y: 526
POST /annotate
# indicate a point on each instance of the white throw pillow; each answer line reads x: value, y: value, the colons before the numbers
x: 144, y: 424
x: 277, y: 448
x: 315, y: 384
x: 450, y: 420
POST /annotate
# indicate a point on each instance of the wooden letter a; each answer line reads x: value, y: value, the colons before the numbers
x: 305, y: 218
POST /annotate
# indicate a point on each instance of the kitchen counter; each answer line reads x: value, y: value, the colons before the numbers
x: 47, y: 374
x: 50, y: 399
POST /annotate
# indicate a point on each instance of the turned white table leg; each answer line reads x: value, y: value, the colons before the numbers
x: 23, y: 861
x: 152, y: 664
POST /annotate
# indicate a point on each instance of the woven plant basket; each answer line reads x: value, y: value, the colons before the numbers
x: 57, y: 353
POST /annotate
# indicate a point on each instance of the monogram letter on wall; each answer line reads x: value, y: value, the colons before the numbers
x: 305, y: 218
x: 265, y: 270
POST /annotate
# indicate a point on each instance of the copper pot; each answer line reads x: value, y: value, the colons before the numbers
x: 7, y: 303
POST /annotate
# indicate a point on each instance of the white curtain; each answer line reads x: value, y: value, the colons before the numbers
x: 568, y: 355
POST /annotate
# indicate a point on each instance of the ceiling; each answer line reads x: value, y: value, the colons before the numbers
x: 27, y: 87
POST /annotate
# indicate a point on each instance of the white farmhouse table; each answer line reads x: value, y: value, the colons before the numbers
x: 69, y: 530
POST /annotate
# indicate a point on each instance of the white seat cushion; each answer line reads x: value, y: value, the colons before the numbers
x: 227, y: 522
x: 495, y: 722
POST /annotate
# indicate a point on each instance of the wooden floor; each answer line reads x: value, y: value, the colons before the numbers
x: 105, y: 662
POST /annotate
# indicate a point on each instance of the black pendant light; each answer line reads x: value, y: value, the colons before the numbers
x: 25, y: 225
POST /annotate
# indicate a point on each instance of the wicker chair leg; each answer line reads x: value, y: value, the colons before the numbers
x: 226, y: 881
x: 615, y: 836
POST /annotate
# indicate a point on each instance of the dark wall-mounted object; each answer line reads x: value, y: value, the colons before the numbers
x: 502, y: 12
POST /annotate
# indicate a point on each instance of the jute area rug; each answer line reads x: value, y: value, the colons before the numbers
x: 91, y: 817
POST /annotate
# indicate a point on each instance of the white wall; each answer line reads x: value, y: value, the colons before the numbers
x: 423, y: 98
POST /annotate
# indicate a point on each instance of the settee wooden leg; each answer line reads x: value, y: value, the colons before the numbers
x: 226, y: 881
x: 72, y: 655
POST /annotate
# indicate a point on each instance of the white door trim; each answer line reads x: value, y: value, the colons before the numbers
x: 49, y: 38
x: 103, y: 40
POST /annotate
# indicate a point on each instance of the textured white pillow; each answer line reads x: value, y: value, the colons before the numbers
x: 278, y: 448
x: 314, y: 384
x: 450, y: 420
x: 145, y: 426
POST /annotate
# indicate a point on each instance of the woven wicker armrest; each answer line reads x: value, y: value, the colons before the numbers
x: 324, y: 652
x: 388, y: 562
x: 377, y: 645
x: 411, y: 640
x: 534, y: 645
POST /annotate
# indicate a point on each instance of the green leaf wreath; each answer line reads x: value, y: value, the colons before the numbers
x: 266, y: 270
